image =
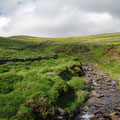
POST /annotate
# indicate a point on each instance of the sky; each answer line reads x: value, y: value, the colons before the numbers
x: 59, y: 18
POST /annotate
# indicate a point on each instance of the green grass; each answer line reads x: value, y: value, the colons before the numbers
x: 31, y: 81
x: 34, y: 90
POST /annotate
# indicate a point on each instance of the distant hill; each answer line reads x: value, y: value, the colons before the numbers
x: 100, y: 38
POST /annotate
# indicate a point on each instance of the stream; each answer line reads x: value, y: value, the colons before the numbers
x: 104, y: 103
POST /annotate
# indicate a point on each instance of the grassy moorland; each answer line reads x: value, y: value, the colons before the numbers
x: 34, y: 90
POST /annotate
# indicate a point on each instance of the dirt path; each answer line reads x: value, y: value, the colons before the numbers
x: 104, y: 103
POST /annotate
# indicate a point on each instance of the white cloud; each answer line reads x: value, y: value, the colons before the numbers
x: 3, y: 22
x: 58, y: 18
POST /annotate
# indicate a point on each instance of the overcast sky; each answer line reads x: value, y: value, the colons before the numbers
x: 59, y: 18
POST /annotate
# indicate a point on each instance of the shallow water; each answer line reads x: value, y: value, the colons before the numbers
x: 87, y: 116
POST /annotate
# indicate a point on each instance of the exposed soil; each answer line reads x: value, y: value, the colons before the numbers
x: 3, y: 61
x: 110, y: 51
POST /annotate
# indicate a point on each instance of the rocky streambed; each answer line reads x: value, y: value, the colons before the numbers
x: 104, y: 101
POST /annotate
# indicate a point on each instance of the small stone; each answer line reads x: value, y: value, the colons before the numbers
x: 97, y: 95
x: 113, y: 114
x: 59, y: 118
x: 118, y: 108
x: 62, y: 112
x: 108, y: 80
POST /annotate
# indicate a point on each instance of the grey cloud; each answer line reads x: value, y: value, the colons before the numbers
x: 59, y: 18
x: 111, y: 6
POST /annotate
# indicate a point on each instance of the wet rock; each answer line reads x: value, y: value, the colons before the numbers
x: 61, y: 111
x: 118, y: 108
x: 97, y: 95
x: 61, y: 115
x: 85, y: 109
x: 104, y: 87
x: 115, y: 116
x: 60, y: 118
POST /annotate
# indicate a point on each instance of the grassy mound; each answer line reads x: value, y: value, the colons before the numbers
x: 39, y: 87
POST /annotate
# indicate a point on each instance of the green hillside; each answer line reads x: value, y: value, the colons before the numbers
x: 111, y: 37
x: 32, y: 90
